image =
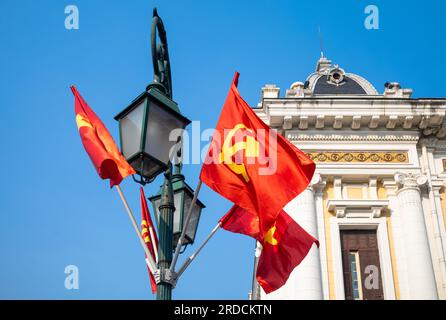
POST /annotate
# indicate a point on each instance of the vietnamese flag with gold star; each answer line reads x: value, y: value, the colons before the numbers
x: 285, y: 245
x: 99, y: 144
x: 252, y: 165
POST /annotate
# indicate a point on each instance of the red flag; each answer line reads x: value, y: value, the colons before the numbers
x: 147, y: 230
x: 252, y: 165
x: 285, y: 245
x: 99, y: 144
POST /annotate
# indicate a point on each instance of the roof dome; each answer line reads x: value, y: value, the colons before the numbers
x: 328, y: 80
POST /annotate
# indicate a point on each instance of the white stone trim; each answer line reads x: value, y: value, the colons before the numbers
x: 297, y: 136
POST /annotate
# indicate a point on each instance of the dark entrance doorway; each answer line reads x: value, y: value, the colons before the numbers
x: 361, y: 267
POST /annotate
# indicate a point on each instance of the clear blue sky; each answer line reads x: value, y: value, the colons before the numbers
x: 55, y: 211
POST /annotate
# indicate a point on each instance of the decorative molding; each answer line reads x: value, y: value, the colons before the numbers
x: 374, y: 121
x: 408, y: 122
x: 295, y: 136
x: 320, y: 120
x: 359, y: 156
x: 287, y: 122
x: 391, y: 124
x: 303, y: 124
x: 337, y: 124
x: 361, y: 208
x: 356, y: 123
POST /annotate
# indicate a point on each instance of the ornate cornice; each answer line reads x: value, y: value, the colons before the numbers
x: 351, y: 137
x: 359, y: 156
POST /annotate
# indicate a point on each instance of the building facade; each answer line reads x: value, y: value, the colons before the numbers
x: 377, y: 202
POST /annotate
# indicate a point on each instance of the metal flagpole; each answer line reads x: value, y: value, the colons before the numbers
x: 183, y: 232
x: 151, y: 264
x: 255, y: 291
x: 155, y: 249
x: 194, y: 255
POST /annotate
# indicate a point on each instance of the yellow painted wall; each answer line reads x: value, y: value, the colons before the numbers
x: 355, y: 192
x: 329, y: 194
x: 382, y: 192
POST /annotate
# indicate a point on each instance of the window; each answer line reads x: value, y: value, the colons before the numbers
x: 356, y: 275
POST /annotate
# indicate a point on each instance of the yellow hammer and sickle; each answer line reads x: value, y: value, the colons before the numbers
x: 145, y: 231
x: 251, y: 147
x: 269, y: 236
x: 82, y: 121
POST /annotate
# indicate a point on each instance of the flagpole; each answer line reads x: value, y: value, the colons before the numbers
x: 155, y: 249
x: 150, y: 263
x: 194, y: 255
x: 255, y: 291
x: 186, y: 223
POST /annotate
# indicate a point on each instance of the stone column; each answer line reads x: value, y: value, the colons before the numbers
x: 305, y: 282
x: 420, y: 273
x: 400, y: 268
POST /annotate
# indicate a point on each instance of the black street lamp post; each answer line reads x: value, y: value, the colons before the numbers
x: 150, y: 133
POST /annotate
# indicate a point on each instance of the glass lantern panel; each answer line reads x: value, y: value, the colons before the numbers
x: 193, y: 223
x: 131, y: 126
x: 157, y: 211
x: 146, y: 166
x: 159, y: 128
x: 177, y: 214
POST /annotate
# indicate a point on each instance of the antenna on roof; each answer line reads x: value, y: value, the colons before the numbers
x: 321, y: 42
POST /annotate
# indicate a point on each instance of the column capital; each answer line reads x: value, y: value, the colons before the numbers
x: 410, y: 181
x: 316, y: 184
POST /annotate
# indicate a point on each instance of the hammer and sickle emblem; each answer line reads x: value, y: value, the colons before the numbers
x: 251, y: 147
x: 82, y: 121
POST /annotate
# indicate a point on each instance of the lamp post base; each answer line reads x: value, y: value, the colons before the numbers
x: 164, y: 291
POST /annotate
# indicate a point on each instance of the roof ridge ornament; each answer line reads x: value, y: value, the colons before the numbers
x: 323, y: 65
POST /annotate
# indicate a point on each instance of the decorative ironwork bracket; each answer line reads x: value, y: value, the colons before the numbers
x: 166, y: 276
x: 160, y: 55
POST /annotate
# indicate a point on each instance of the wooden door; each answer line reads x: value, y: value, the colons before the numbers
x: 361, y: 265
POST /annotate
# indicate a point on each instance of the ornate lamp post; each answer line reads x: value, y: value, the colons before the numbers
x: 150, y: 133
